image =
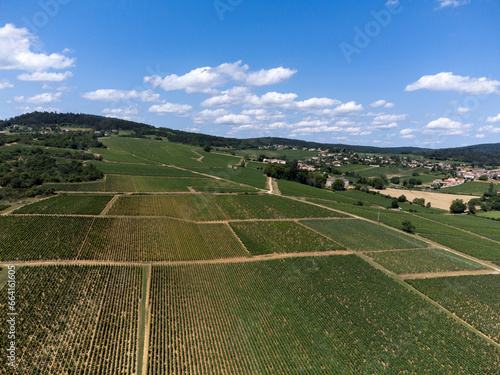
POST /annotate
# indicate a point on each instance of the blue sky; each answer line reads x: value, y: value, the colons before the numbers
x: 385, y: 73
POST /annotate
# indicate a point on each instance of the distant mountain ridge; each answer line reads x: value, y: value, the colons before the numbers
x: 40, y: 120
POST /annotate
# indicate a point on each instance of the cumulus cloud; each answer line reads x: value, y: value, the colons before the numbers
x: 233, y: 96
x: 16, y: 54
x: 128, y: 113
x: 111, y: 95
x: 493, y: 118
x: 407, y: 133
x: 382, y: 103
x: 45, y: 76
x: 206, y: 79
x: 44, y: 98
x: 489, y: 129
x: 165, y: 108
x: 447, y: 81
x: 452, y: 3
x: 315, y: 103
x: 39, y: 109
x: 273, y: 100
x: 445, y: 126
x: 385, y: 119
x: 208, y: 115
x: 232, y: 119
x: 4, y: 84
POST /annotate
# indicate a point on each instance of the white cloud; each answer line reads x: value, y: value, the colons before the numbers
x: 111, y: 95
x: 489, y: 129
x: 446, y: 81
x: 44, y: 98
x: 273, y: 100
x: 269, y: 77
x: 45, y: 76
x: 16, y: 54
x: 387, y: 126
x: 445, y: 126
x: 480, y: 136
x: 206, y: 79
x: 314, y: 103
x: 227, y: 98
x: 233, y: 119
x: 128, y: 113
x: 463, y: 110
x: 164, y: 108
x: 263, y: 115
x: 208, y: 115
x: 272, y: 126
x: 493, y: 118
x: 382, y: 103
x: 407, y: 133
x: 452, y: 3
x: 347, y: 108
x: 384, y: 119
x: 4, y: 84
x: 39, y: 109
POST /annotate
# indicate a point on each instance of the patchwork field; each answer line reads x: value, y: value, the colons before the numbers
x: 119, y: 183
x: 159, y: 239
x: 74, y: 320
x: 217, y: 207
x: 81, y: 204
x: 472, y: 188
x: 332, y: 315
x: 264, y: 237
x: 437, y: 200
x: 363, y: 236
x: 422, y: 260
x: 475, y: 299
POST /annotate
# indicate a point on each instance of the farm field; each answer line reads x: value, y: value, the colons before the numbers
x: 490, y: 214
x: 295, y: 189
x: 475, y: 299
x: 4, y: 206
x: 264, y: 237
x: 422, y: 261
x: 141, y: 170
x: 119, y: 183
x: 217, y: 207
x: 332, y: 315
x: 484, y: 227
x: 158, y: 239
x: 471, y: 188
x: 96, y: 186
x: 438, y: 200
x: 246, y: 176
x: 380, y: 238
x: 74, y: 320
x: 42, y: 237
x: 81, y: 204
x: 161, y: 152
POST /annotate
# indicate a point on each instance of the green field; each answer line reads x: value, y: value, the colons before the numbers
x: 490, y: 214
x: 471, y: 188
x: 264, y: 237
x: 217, y: 207
x: 42, y: 237
x: 158, y: 239
x: 472, y: 223
x: 300, y: 190
x: 325, y: 315
x: 141, y: 170
x: 422, y: 260
x: 161, y: 152
x: 362, y: 235
x: 71, y: 316
x: 154, y: 184
x: 81, y: 204
x: 475, y: 299
x: 4, y: 206
x: 246, y: 176
x: 96, y: 186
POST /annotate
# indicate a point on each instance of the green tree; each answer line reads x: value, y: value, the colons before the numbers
x: 338, y: 185
x: 458, y: 206
x: 408, y: 226
x: 471, y: 207
x: 394, y: 203
x: 207, y: 148
x: 402, y: 198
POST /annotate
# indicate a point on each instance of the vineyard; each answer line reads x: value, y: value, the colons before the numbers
x: 263, y: 237
x: 119, y: 183
x: 141, y: 170
x: 473, y: 298
x: 81, y: 204
x: 42, y: 237
x: 96, y: 186
x: 423, y: 260
x: 218, y: 207
x: 158, y: 239
x: 333, y: 315
x: 74, y: 320
x: 362, y: 235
